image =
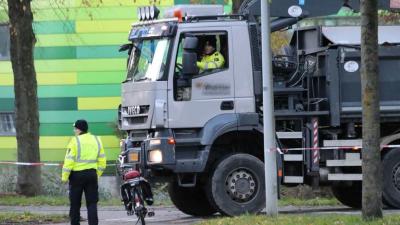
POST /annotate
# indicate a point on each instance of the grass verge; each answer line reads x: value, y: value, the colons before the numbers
x: 29, y: 218
x: 302, y: 220
x: 286, y: 201
x: 17, y: 200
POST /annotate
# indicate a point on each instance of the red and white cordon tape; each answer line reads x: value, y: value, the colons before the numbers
x: 36, y: 164
x: 30, y: 164
x: 279, y: 150
x: 355, y: 148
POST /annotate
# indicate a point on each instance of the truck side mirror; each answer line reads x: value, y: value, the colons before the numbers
x: 125, y: 47
x: 189, y: 63
x: 189, y: 56
x: 190, y: 43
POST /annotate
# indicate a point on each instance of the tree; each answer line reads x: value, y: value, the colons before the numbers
x: 22, y: 42
x: 371, y: 156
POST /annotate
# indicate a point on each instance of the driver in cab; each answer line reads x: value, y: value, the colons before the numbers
x: 211, y: 58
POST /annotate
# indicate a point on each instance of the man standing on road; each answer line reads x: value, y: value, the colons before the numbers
x: 347, y: 10
x: 84, y: 163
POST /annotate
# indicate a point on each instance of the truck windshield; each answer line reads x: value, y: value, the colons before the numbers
x: 147, y: 60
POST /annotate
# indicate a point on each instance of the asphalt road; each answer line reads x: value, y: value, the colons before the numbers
x: 170, y: 215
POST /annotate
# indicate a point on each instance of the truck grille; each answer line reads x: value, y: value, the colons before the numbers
x: 135, y: 110
x: 133, y: 115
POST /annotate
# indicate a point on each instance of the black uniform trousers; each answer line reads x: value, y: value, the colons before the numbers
x: 79, y: 182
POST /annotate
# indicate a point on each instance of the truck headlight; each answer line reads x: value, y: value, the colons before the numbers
x: 155, y: 156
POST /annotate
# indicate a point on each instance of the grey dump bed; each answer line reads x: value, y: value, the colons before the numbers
x: 338, y: 52
x: 349, y: 70
x: 389, y: 81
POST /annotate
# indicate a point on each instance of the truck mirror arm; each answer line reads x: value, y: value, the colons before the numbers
x: 281, y: 23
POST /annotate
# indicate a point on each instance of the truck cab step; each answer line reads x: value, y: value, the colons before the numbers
x: 293, y: 179
x: 293, y: 157
x: 346, y: 162
x: 289, y: 135
x: 351, y: 159
x: 344, y: 176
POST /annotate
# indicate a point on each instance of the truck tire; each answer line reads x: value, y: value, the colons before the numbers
x: 349, y: 195
x: 391, y: 178
x: 237, y: 185
x: 190, y: 200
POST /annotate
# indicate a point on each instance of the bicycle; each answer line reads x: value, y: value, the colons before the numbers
x: 135, y: 191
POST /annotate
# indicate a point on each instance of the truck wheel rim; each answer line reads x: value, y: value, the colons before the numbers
x: 241, y: 185
x: 396, y: 176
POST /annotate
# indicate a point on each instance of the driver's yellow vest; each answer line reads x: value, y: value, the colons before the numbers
x: 84, y: 152
x: 213, y: 61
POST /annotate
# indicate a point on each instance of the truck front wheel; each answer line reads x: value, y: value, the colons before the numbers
x: 190, y: 200
x: 237, y: 185
x: 391, y: 178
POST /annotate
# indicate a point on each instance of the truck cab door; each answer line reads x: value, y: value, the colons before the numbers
x: 211, y: 91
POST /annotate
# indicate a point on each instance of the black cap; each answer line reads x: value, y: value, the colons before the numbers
x: 82, y: 125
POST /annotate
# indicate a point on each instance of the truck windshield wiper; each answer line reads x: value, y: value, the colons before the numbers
x: 127, y: 79
x: 143, y: 79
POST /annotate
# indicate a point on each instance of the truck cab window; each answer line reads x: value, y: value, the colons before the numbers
x: 212, y: 57
x: 212, y: 53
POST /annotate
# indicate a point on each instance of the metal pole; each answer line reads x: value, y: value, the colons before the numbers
x: 271, y: 187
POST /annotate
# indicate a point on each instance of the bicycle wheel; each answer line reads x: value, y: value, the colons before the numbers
x: 139, y: 208
x: 142, y: 219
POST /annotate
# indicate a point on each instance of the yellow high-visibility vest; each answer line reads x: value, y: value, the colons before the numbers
x: 84, y: 152
x: 213, y: 61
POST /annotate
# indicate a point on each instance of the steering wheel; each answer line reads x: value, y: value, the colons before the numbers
x: 179, y: 66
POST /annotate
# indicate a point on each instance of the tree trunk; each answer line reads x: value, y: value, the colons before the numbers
x: 236, y: 5
x: 371, y: 156
x: 25, y: 88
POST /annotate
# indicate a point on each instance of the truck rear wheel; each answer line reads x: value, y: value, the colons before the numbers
x: 190, y: 200
x: 349, y: 195
x: 391, y: 178
x: 237, y: 185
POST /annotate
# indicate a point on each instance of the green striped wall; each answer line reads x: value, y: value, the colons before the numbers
x: 57, y: 91
x: 79, y: 69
